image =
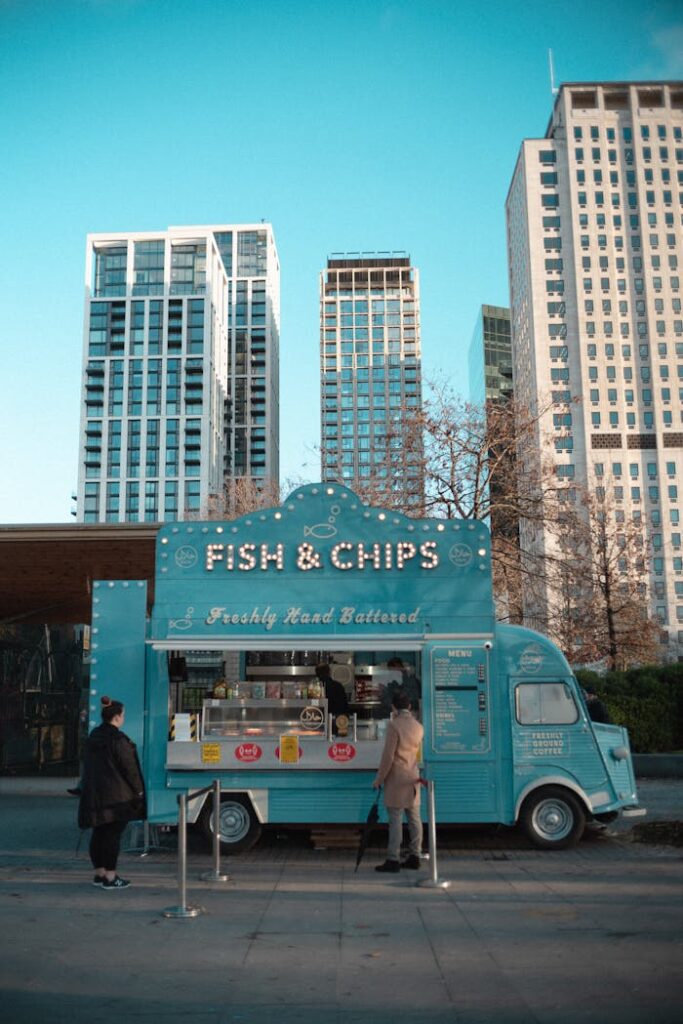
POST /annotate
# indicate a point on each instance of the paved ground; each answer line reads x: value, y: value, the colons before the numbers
x: 521, y: 936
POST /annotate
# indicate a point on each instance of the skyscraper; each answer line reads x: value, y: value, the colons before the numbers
x: 370, y: 364
x: 490, y: 355
x: 490, y: 373
x: 181, y: 357
x: 595, y: 241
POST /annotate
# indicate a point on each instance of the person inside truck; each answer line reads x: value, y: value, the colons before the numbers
x: 337, y: 701
x: 406, y: 682
x: 595, y: 707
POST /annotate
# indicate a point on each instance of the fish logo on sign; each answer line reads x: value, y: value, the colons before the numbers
x: 460, y: 555
x: 186, y: 557
x: 182, y: 623
x: 531, y: 659
x: 323, y: 531
x: 320, y: 530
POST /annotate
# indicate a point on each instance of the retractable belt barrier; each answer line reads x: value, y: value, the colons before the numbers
x: 182, y: 909
x: 141, y: 838
x: 434, y: 882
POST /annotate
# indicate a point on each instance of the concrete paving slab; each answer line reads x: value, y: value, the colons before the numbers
x: 521, y: 937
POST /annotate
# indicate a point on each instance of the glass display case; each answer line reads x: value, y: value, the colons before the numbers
x: 249, y: 719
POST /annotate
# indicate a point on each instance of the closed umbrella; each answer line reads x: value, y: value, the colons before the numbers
x: 370, y: 822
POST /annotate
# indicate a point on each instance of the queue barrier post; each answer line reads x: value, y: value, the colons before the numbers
x: 141, y: 838
x: 216, y: 875
x: 433, y: 882
x: 182, y: 909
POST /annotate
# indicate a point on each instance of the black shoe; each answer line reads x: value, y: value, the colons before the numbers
x: 98, y: 880
x: 116, y: 883
x: 412, y: 862
x: 76, y: 791
x: 389, y: 866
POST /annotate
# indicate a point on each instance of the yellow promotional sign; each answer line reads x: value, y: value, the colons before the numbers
x: 289, y: 749
x: 211, y: 753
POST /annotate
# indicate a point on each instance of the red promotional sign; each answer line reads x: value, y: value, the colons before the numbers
x: 341, y: 752
x: 248, y: 752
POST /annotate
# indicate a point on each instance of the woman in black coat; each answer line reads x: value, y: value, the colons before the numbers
x: 113, y: 792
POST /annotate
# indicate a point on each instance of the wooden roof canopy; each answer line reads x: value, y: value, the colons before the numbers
x: 46, y: 572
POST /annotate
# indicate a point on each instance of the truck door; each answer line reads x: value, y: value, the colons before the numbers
x: 553, y: 744
x: 459, y: 742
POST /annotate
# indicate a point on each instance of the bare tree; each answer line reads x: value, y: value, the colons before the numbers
x: 580, y: 567
x: 241, y: 495
x: 460, y: 453
x: 454, y: 459
x: 508, y: 578
x: 597, y: 586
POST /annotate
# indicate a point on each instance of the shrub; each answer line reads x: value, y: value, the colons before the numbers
x: 648, y: 701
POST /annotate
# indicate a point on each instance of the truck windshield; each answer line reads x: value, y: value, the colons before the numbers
x: 545, y: 704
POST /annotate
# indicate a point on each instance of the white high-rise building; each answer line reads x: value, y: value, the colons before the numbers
x: 595, y: 250
x: 370, y: 369
x: 181, y: 369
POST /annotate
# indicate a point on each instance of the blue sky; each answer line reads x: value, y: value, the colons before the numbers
x: 373, y: 125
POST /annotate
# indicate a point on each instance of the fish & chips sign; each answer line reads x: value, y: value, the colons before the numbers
x: 321, y: 561
x: 343, y: 556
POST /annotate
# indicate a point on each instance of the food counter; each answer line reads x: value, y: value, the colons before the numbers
x: 275, y: 733
x: 251, y: 718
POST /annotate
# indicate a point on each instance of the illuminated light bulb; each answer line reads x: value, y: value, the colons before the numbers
x: 404, y: 551
x: 334, y: 555
x: 214, y: 553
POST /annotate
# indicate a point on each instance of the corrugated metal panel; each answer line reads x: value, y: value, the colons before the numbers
x: 620, y: 771
x: 464, y: 791
x: 342, y: 806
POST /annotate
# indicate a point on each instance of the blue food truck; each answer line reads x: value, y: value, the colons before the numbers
x: 220, y: 682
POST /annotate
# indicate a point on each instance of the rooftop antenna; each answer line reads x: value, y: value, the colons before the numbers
x: 553, y: 88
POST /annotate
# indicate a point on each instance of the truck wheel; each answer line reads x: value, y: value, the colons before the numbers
x: 553, y: 818
x: 239, y: 827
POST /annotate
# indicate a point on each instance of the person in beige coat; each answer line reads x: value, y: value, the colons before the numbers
x: 398, y: 773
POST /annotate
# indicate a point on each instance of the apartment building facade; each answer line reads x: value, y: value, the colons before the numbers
x: 370, y: 370
x: 180, y: 370
x: 595, y: 247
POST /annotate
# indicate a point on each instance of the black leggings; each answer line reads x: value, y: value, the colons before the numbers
x: 104, y: 844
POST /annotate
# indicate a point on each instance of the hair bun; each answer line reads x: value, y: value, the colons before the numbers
x: 106, y: 702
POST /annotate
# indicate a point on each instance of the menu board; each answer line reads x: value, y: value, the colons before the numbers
x: 460, y: 699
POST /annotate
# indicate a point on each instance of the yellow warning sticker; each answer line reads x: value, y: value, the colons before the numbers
x: 211, y: 753
x: 289, y: 749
